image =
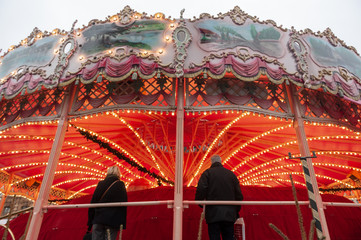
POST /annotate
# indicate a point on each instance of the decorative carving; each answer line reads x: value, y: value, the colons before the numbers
x: 331, y: 37
x: 31, y: 39
x: 66, y: 50
x: 126, y: 15
x: 205, y: 15
x: 238, y: 16
x: 346, y: 75
x: 181, y: 38
x: 299, y: 51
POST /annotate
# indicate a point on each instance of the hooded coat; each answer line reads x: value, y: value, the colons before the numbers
x: 109, y: 216
x: 219, y: 184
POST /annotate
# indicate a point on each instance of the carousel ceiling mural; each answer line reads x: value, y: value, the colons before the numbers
x: 242, y: 79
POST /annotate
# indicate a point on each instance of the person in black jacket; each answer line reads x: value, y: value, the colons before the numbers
x: 219, y: 184
x: 106, y: 221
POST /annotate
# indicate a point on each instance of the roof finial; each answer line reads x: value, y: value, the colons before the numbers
x: 181, y: 14
x: 72, y: 27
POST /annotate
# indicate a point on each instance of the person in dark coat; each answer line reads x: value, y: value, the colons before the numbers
x: 106, y: 221
x: 219, y: 184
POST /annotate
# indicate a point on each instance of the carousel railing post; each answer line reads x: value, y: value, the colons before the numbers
x: 310, y: 177
x: 43, y: 196
x: 178, y: 182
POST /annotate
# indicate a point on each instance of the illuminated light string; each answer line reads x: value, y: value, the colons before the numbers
x: 114, y: 144
x: 262, y: 185
x: 268, y: 170
x: 81, y: 190
x: 299, y: 173
x: 121, y: 156
x: 107, y: 157
x: 104, y: 156
x: 215, y: 141
x: 76, y: 180
x: 263, y: 152
x: 265, y: 164
x: 297, y: 164
x: 48, y: 152
x: 135, y: 132
x: 253, y: 157
x: 56, y: 173
x: 332, y: 125
x: 75, y: 145
x: 241, y: 176
x: 29, y: 124
x: 315, y: 138
x: 292, y: 143
x: 106, y: 140
x: 273, y: 179
x: 45, y: 164
x: 255, y: 139
x: 141, y: 140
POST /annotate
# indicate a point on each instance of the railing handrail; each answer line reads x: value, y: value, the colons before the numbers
x: 113, y: 204
x: 188, y: 202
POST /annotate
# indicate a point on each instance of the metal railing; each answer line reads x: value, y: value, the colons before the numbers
x: 169, y: 203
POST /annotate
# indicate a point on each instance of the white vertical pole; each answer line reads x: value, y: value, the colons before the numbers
x: 178, y: 183
x: 43, y: 196
x: 305, y: 151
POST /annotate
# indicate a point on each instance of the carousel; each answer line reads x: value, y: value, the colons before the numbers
x: 159, y: 96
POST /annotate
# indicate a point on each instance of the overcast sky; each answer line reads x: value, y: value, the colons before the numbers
x: 19, y: 17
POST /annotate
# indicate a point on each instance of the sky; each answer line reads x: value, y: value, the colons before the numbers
x: 18, y: 18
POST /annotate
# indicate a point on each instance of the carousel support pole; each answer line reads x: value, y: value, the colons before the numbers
x: 178, y: 183
x: 43, y: 196
x: 310, y: 177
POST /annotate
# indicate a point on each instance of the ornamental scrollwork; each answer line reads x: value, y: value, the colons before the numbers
x: 299, y: 51
x: 238, y: 16
x: 181, y: 39
x: 126, y: 15
x: 66, y: 50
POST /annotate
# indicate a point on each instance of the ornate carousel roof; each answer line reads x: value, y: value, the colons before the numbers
x: 116, y: 82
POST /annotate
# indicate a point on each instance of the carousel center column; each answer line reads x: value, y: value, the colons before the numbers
x: 181, y: 38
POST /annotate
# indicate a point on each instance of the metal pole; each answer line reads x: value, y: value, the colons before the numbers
x: 178, y: 183
x: 43, y: 196
x: 309, y: 172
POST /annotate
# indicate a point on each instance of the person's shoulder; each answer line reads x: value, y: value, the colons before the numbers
x: 229, y: 171
x: 101, y: 182
x: 120, y: 182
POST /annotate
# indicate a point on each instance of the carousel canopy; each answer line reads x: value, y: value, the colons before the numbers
x: 117, y: 81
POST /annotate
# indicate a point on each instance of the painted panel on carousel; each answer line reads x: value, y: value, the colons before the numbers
x: 40, y: 54
x: 220, y: 35
x: 143, y: 35
x: 326, y: 55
